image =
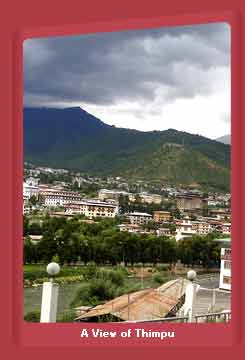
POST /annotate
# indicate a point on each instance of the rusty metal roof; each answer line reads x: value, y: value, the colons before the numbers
x: 146, y: 304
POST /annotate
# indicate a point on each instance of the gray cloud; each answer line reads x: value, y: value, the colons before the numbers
x: 109, y: 68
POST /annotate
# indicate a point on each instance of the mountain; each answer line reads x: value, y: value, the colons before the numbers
x: 74, y: 139
x: 226, y: 139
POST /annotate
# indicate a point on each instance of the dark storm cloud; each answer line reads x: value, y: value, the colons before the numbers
x: 109, y: 68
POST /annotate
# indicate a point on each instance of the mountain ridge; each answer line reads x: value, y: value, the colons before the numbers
x: 75, y: 139
x: 226, y: 139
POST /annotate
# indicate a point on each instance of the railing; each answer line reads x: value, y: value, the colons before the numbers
x: 202, y: 318
x: 178, y: 319
x: 213, y: 317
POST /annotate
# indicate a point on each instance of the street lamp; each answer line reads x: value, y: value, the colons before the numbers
x: 50, y: 295
x: 191, y: 275
x: 53, y: 269
x: 190, y: 295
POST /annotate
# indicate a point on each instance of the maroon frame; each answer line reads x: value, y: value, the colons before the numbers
x: 29, y: 19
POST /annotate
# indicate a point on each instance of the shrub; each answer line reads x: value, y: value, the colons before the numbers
x: 67, y: 316
x: 56, y: 259
x: 117, y: 277
x: 34, y: 275
x: 94, y: 292
x: 159, y: 279
x: 162, y: 267
x: 33, y: 316
x: 89, y: 271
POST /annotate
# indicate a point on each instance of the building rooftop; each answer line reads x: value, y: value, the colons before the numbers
x: 146, y: 304
x: 138, y: 214
x: 225, y: 240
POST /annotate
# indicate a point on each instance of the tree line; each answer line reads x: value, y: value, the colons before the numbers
x: 102, y: 243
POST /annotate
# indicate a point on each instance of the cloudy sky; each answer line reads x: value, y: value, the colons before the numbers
x: 154, y: 79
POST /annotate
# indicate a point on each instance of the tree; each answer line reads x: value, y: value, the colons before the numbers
x: 26, y: 225
x: 35, y: 228
x: 30, y: 251
x: 33, y: 200
x: 176, y: 213
x: 205, y: 210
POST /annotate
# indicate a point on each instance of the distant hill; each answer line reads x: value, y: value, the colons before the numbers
x: 226, y: 139
x: 74, y: 139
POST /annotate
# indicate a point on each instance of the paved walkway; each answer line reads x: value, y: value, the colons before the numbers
x: 204, y: 297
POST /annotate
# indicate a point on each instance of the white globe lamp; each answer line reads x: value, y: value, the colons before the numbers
x: 53, y: 269
x: 191, y: 275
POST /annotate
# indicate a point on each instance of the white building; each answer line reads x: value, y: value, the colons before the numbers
x: 225, y: 269
x: 150, y: 198
x: 139, y: 218
x: 163, y: 232
x: 92, y: 208
x: 134, y: 228
x: 32, y: 181
x: 201, y: 227
x: 184, y: 229
x: 226, y: 228
x: 53, y: 197
x: 29, y: 191
x: 105, y: 194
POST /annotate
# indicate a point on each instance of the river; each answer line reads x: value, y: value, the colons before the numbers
x: 33, y: 297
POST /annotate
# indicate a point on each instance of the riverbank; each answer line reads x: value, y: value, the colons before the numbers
x: 35, y: 275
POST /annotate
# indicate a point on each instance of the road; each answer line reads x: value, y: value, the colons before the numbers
x: 204, y: 297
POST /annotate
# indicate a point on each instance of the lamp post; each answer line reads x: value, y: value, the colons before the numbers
x: 50, y: 295
x: 190, y: 295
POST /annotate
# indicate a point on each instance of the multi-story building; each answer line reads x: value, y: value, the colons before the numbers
x: 150, y: 198
x: 53, y: 197
x: 226, y: 228
x: 225, y: 269
x: 139, y: 218
x: 216, y: 225
x: 32, y: 181
x: 134, y: 228
x: 184, y: 229
x: 221, y: 214
x: 105, y: 194
x: 190, y: 202
x: 201, y: 228
x: 34, y: 172
x: 92, y: 208
x: 161, y: 216
x: 163, y: 232
x: 29, y: 191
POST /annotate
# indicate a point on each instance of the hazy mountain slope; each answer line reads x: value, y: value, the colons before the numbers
x: 226, y: 139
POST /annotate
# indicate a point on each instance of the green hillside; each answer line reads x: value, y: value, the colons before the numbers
x: 72, y: 138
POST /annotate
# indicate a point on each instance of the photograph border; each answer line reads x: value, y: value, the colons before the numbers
x: 22, y: 336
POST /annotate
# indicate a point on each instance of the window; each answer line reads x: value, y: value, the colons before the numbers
x: 226, y: 279
x: 227, y: 251
x: 227, y: 264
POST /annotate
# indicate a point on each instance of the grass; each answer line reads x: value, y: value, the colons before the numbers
x: 93, y: 285
x: 38, y: 274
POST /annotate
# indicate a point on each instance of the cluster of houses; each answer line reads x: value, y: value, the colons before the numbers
x: 60, y: 201
x: 190, y: 205
x: 184, y: 227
